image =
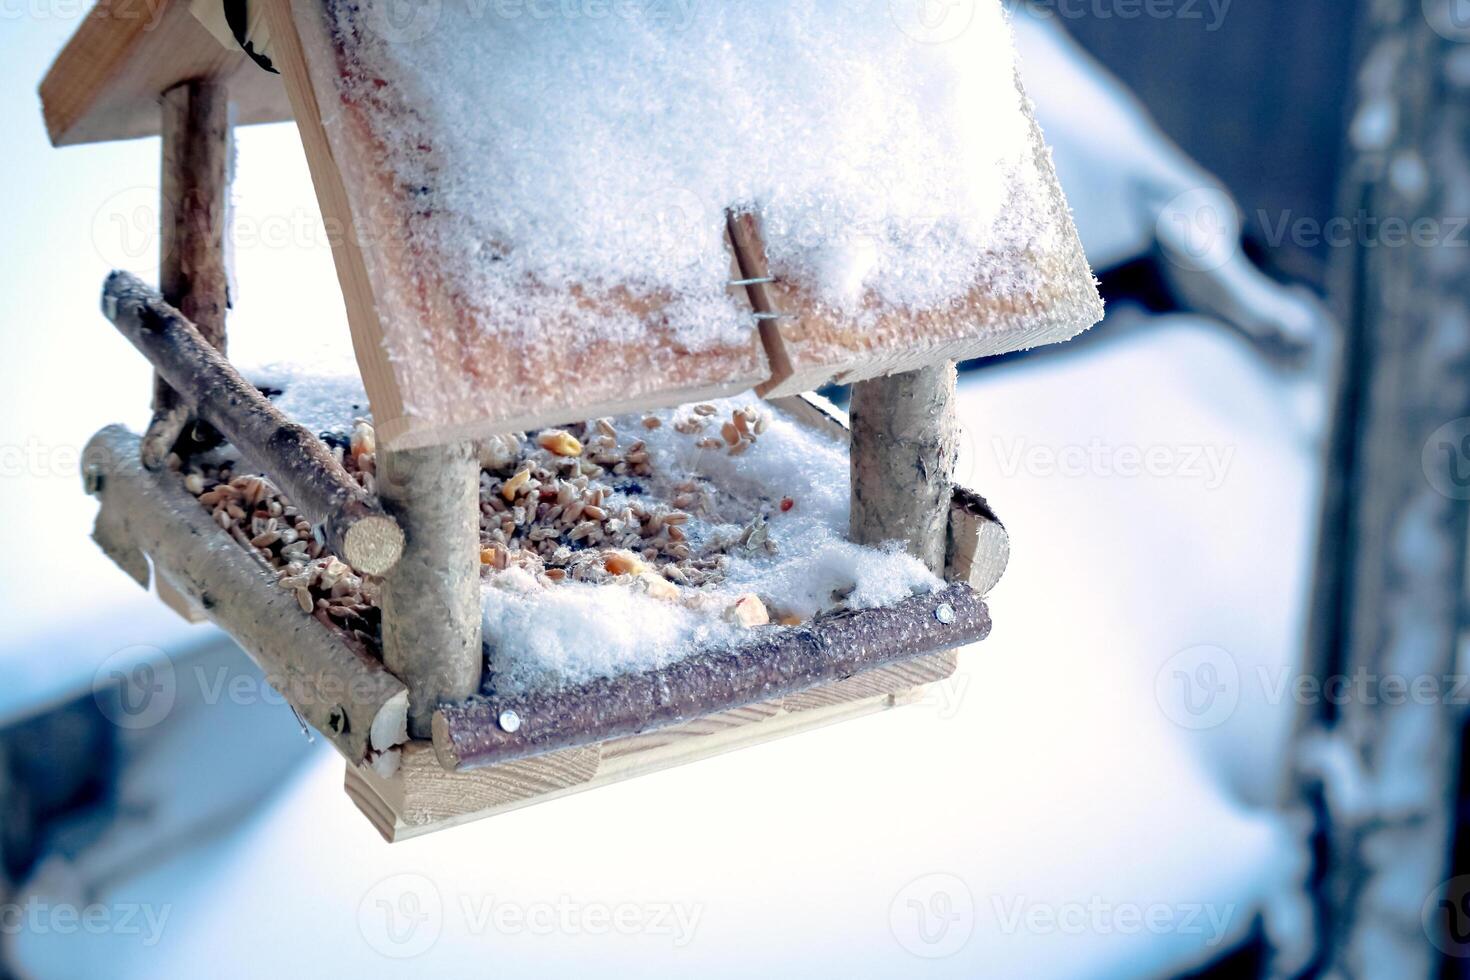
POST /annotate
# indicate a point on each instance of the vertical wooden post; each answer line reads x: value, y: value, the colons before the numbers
x: 193, y: 216
x: 904, y: 445
x: 431, y: 599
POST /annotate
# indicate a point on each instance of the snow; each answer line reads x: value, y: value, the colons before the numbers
x: 1041, y: 771
x: 570, y: 633
x: 547, y: 152
x: 574, y: 632
x: 323, y: 402
x: 1043, y: 777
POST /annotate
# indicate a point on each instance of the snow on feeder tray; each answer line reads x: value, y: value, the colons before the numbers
x: 566, y: 549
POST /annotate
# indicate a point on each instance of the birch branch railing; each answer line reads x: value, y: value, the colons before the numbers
x: 488, y: 731
x: 349, y: 697
x: 357, y: 529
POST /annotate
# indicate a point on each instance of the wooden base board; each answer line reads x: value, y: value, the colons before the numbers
x: 421, y: 797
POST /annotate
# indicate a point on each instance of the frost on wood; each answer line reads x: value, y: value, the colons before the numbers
x: 544, y: 201
x: 764, y: 666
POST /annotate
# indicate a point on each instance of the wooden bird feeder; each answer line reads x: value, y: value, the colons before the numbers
x: 428, y: 742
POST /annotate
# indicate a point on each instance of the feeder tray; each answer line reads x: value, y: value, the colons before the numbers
x: 425, y: 749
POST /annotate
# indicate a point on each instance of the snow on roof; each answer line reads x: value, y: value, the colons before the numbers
x: 531, y: 183
x: 601, y: 151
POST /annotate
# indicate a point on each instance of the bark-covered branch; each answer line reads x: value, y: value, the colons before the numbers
x: 357, y: 529
x: 350, y: 698
x: 774, y: 663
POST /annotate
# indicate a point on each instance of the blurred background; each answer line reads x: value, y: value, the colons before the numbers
x: 1215, y: 732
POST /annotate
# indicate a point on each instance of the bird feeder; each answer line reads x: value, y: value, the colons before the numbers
x: 478, y: 362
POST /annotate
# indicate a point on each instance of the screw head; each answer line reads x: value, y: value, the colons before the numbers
x: 509, y: 721
x: 945, y: 613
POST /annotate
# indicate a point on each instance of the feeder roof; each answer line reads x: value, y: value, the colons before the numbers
x: 107, y: 83
x: 541, y: 221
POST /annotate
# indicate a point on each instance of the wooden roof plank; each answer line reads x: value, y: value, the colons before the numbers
x: 434, y: 368
x: 107, y: 82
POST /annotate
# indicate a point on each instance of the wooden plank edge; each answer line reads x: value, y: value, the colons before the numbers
x: 979, y: 547
x: 388, y: 803
x: 92, y: 59
x: 769, y: 662
x: 295, y: 26
x: 303, y: 52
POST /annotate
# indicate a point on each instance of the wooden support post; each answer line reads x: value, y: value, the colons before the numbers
x: 431, y: 601
x: 904, y: 446
x: 357, y: 530
x: 193, y: 218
